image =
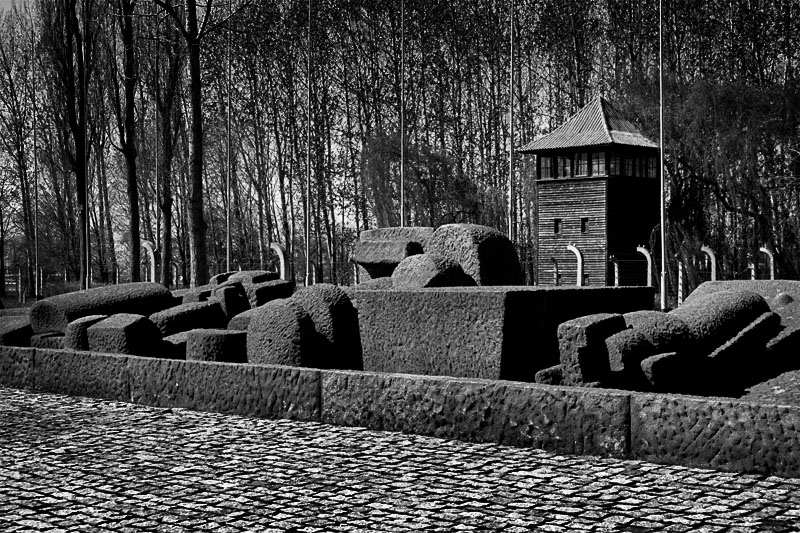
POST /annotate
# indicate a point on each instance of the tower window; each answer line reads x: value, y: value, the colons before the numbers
x: 615, y: 164
x: 584, y: 224
x: 598, y: 164
x: 556, y: 225
x: 582, y: 164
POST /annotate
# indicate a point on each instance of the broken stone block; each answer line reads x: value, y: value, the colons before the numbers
x: 380, y: 258
x: 261, y: 293
x: 15, y: 331
x: 125, y: 333
x: 429, y: 270
x: 75, y: 334
x: 335, y: 319
x: 219, y: 345
x: 668, y: 372
x: 664, y: 331
x: 53, y: 341
x: 232, y: 298
x: 175, y: 345
x: 281, y: 333
x: 242, y: 320
x: 188, y: 316
x: 551, y: 375
x: 485, y: 254
x: 197, y: 294
x: 582, y: 347
x: 55, y: 312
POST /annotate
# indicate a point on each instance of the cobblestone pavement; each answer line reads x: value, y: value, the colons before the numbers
x: 74, y: 464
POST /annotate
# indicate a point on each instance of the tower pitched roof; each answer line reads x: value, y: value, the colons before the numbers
x: 596, y: 124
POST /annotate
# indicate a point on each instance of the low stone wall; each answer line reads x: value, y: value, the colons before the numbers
x: 713, y: 433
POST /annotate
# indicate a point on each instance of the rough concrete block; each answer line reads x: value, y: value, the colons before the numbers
x: 125, y: 334
x: 337, y: 337
x: 220, y: 278
x: 724, y: 435
x: 420, y: 234
x: 552, y: 375
x: 669, y: 372
x: 16, y: 367
x: 627, y: 349
x: 281, y: 333
x: 560, y: 419
x: 253, y: 277
x: 664, y: 331
x: 717, y: 317
x: 54, y: 341
x: 261, y: 293
x: 482, y: 332
x: 380, y: 258
x: 232, y: 298
x: 377, y: 284
x: 80, y: 373
x: 248, y: 390
x: 197, y: 294
x: 75, y: 333
x: 780, y: 390
x: 582, y: 347
x: 175, y: 345
x: 188, y: 316
x: 15, y: 331
x: 55, y: 312
x: 221, y: 345
x: 429, y: 270
x: 242, y: 320
x: 485, y: 254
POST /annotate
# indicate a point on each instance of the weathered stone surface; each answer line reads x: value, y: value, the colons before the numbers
x: 15, y: 311
x: 485, y: 254
x: 221, y: 345
x: 380, y: 258
x: 582, y: 347
x: 54, y: 313
x: 220, y: 278
x: 627, y: 349
x: 780, y: 390
x: 188, y: 316
x: 485, y: 332
x: 337, y: 337
x: 15, y: 331
x: 175, y: 345
x: 783, y: 296
x: 552, y: 375
x: 232, y: 298
x: 784, y: 349
x: 668, y: 372
x: 281, y: 333
x: 75, y: 333
x: 429, y: 270
x: 248, y: 390
x: 420, y: 234
x: 53, y: 341
x: 16, y: 367
x: 266, y: 291
x: 125, y: 333
x: 197, y: 294
x: 252, y: 277
x: 710, y: 433
x: 564, y: 420
x: 242, y: 320
x: 377, y: 284
x: 744, y: 359
x: 717, y: 317
x: 666, y: 332
x: 82, y: 374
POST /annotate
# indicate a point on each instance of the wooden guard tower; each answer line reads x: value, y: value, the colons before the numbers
x: 597, y: 191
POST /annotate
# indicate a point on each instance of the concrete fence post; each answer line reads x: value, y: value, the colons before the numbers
x: 579, y: 271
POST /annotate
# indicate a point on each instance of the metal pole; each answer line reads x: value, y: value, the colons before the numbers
x: 402, y: 111
x: 661, y: 154
x: 511, y: 194
x: 308, y: 279
x: 228, y: 153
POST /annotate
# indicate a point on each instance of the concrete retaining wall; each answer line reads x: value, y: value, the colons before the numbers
x: 716, y: 433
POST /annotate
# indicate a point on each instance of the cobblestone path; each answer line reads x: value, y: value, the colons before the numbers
x: 74, y: 464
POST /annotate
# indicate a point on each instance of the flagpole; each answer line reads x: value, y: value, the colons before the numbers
x: 663, y: 285
x: 228, y: 241
x: 402, y: 112
x: 308, y: 155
